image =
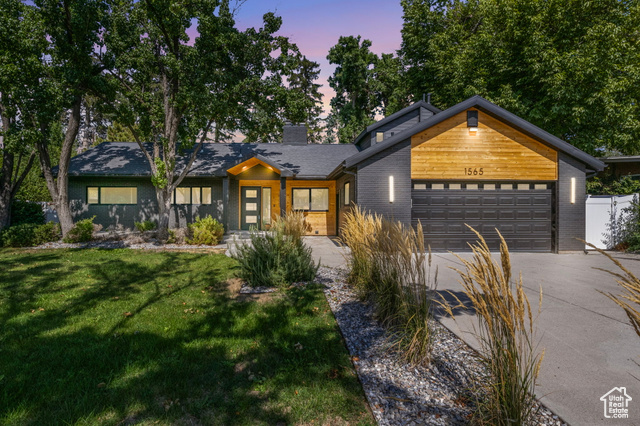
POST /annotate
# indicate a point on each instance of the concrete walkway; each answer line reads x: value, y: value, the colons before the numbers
x: 590, y: 347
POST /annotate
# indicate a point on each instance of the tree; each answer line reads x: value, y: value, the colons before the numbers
x: 172, y: 92
x: 72, y: 69
x: 21, y: 44
x: 570, y: 67
x: 302, y: 82
x: 388, y: 85
x: 353, y: 105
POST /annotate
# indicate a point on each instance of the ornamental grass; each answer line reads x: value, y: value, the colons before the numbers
x: 629, y: 300
x: 389, y: 267
x: 506, y: 333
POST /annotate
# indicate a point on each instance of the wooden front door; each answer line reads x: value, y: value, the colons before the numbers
x: 249, y: 207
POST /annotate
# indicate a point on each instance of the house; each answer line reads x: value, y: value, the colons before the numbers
x: 622, y: 165
x: 474, y: 163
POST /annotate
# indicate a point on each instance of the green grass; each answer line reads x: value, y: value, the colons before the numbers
x: 124, y: 337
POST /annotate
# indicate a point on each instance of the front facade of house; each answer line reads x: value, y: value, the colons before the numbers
x: 474, y: 163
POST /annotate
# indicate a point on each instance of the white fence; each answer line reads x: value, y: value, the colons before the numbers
x: 603, y: 213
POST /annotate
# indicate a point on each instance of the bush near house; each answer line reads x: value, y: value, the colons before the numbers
x: 147, y: 225
x: 26, y: 212
x: 279, y: 257
x: 29, y: 234
x: 206, y: 231
x: 389, y: 267
x: 81, y: 232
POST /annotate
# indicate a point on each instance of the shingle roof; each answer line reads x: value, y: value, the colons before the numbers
x: 126, y: 159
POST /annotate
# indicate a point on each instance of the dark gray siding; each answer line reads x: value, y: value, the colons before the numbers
x: 112, y: 215
x: 373, y: 182
x: 342, y: 208
x: 234, y: 203
x: 396, y: 126
x: 570, y: 218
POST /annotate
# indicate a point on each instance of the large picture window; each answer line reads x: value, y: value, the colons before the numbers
x: 191, y: 195
x: 311, y: 199
x: 112, y: 195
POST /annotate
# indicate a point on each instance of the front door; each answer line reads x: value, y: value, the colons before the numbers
x: 249, y: 207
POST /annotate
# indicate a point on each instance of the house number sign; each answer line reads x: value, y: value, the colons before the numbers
x: 473, y: 171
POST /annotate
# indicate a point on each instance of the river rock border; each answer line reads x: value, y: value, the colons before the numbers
x: 398, y: 393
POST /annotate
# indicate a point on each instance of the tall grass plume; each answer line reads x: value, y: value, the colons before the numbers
x: 388, y: 266
x: 506, y: 332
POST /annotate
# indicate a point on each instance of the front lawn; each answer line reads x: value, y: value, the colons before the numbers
x: 133, y: 337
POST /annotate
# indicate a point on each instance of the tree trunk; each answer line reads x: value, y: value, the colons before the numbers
x: 59, y: 188
x: 5, y: 210
x: 164, y: 212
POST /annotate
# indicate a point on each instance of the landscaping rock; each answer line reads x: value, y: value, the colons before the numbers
x: 399, y: 393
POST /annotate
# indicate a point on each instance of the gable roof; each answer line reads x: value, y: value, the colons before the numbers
x: 395, y: 116
x: 493, y: 110
x: 312, y: 161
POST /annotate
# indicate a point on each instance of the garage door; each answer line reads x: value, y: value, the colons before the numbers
x: 522, y: 212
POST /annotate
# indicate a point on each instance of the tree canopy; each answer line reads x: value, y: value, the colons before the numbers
x: 571, y: 67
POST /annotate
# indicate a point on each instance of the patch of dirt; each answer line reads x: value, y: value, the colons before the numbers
x: 235, y: 284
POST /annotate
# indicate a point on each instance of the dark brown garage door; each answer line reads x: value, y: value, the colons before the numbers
x: 522, y: 212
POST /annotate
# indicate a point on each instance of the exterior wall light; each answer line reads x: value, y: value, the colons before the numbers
x: 573, y: 190
x: 392, y: 194
x: 472, y: 122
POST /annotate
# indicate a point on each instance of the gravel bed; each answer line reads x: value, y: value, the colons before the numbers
x: 398, y: 393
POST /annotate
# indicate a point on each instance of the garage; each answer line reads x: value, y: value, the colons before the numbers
x: 522, y: 212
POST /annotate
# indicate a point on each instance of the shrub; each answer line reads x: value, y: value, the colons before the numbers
x: 147, y: 225
x: 206, y: 231
x: 81, y: 232
x: 29, y: 234
x: 390, y: 267
x: 293, y: 224
x: 26, y: 212
x: 506, y: 335
x: 276, y: 258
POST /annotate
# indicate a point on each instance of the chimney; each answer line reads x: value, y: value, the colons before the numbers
x: 294, y: 134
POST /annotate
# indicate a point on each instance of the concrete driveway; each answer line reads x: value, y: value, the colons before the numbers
x: 590, y: 348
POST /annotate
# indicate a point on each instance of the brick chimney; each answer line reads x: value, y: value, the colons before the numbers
x: 294, y: 134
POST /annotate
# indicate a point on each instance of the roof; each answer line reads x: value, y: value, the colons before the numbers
x: 394, y: 116
x: 302, y: 161
x: 621, y: 159
x: 495, y: 111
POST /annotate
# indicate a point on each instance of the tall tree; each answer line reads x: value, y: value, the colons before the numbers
x: 568, y: 66
x: 302, y: 82
x: 352, y: 107
x: 73, y: 69
x: 173, y: 91
x: 22, y: 42
x: 388, y: 85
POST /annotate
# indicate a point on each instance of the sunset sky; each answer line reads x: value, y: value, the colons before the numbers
x: 316, y: 25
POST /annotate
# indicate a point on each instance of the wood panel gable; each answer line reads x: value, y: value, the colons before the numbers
x: 448, y: 150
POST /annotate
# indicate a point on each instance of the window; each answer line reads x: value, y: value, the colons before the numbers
x: 379, y: 136
x: 347, y: 194
x: 311, y: 199
x: 93, y: 195
x: 112, y: 195
x: 266, y: 205
x: 191, y: 195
